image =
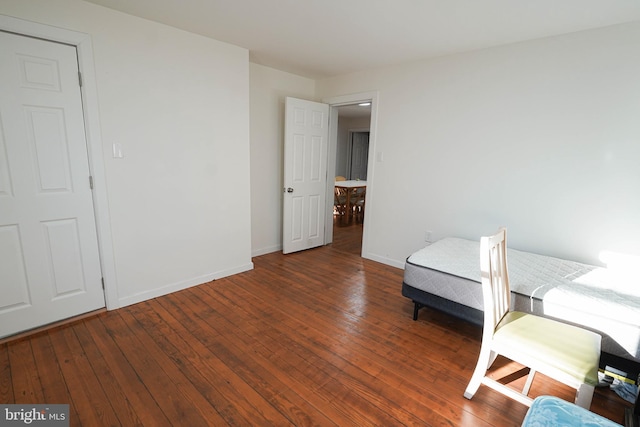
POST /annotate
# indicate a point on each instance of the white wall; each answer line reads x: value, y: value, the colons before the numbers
x: 179, y: 105
x: 269, y: 88
x: 542, y: 137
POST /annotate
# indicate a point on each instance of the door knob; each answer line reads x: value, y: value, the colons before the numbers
x: 289, y: 190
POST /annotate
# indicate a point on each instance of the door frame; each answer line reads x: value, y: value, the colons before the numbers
x: 334, y: 103
x: 82, y: 43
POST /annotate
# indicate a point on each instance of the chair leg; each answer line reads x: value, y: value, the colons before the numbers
x: 492, y: 359
x: 527, y: 385
x: 584, y: 395
x: 485, y: 360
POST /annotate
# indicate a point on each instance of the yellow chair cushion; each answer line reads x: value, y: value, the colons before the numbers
x: 572, y: 350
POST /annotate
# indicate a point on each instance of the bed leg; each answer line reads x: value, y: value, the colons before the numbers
x: 416, y: 306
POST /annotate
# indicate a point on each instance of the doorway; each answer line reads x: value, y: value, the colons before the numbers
x: 351, y: 162
x: 338, y: 106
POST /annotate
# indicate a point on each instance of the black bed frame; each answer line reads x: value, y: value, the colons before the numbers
x: 422, y: 299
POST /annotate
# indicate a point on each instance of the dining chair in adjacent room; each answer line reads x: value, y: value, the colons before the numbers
x: 340, y: 202
x: 357, y: 204
x: 563, y: 352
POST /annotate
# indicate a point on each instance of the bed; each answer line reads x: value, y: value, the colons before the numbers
x: 446, y: 275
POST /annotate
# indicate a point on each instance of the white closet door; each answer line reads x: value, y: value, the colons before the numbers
x: 49, y: 260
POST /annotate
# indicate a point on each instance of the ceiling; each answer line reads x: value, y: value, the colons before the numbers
x: 322, y: 38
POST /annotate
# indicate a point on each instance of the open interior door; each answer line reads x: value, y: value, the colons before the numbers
x: 305, y: 174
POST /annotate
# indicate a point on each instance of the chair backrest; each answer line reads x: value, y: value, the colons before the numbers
x: 495, y: 279
x: 358, y: 195
x: 340, y: 178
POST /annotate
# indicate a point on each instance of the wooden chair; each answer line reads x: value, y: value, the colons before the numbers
x: 357, y: 204
x: 340, y: 202
x: 566, y: 353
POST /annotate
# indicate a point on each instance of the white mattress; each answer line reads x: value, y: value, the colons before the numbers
x: 572, y: 291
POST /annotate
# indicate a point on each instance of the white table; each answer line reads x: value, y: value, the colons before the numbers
x: 353, y: 184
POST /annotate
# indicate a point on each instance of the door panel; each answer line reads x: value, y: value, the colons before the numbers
x: 64, y: 256
x: 49, y: 260
x: 15, y: 289
x: 305, y: 174
x: 49, y: 148
x: 5, y: 179
x: 298, y: 159
x: 316, y: 158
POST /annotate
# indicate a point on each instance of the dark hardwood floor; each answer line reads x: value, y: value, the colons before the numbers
x: 347, y: 238
x: 321, y: 337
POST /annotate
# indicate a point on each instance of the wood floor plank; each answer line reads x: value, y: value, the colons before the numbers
x: 244, y: 347
x: 276, y: 354
x: 117, y: 398
x: 123, y: 375
x: 175, y: 395
x: 359, y: 362
x: 356, y: 328
x: 224, y: 390
x: 327, y: 355
x: 6, y: 386
x: 90, y: 402
x: 54, y: 385
x: 161, y: 389
x: 317, y: 338
x: 27, y: 387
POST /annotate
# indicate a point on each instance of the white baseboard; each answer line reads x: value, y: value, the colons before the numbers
x: 267, y: 250
x: 174, y: 287
x: 384, y: 260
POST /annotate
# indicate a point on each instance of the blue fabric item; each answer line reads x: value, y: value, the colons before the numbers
x: 625, y: 390
x: 549, y: 411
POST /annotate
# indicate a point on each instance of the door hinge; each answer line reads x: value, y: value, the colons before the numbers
x: 102, y: 280
x: 80, y: 78
x: 90, y: 182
